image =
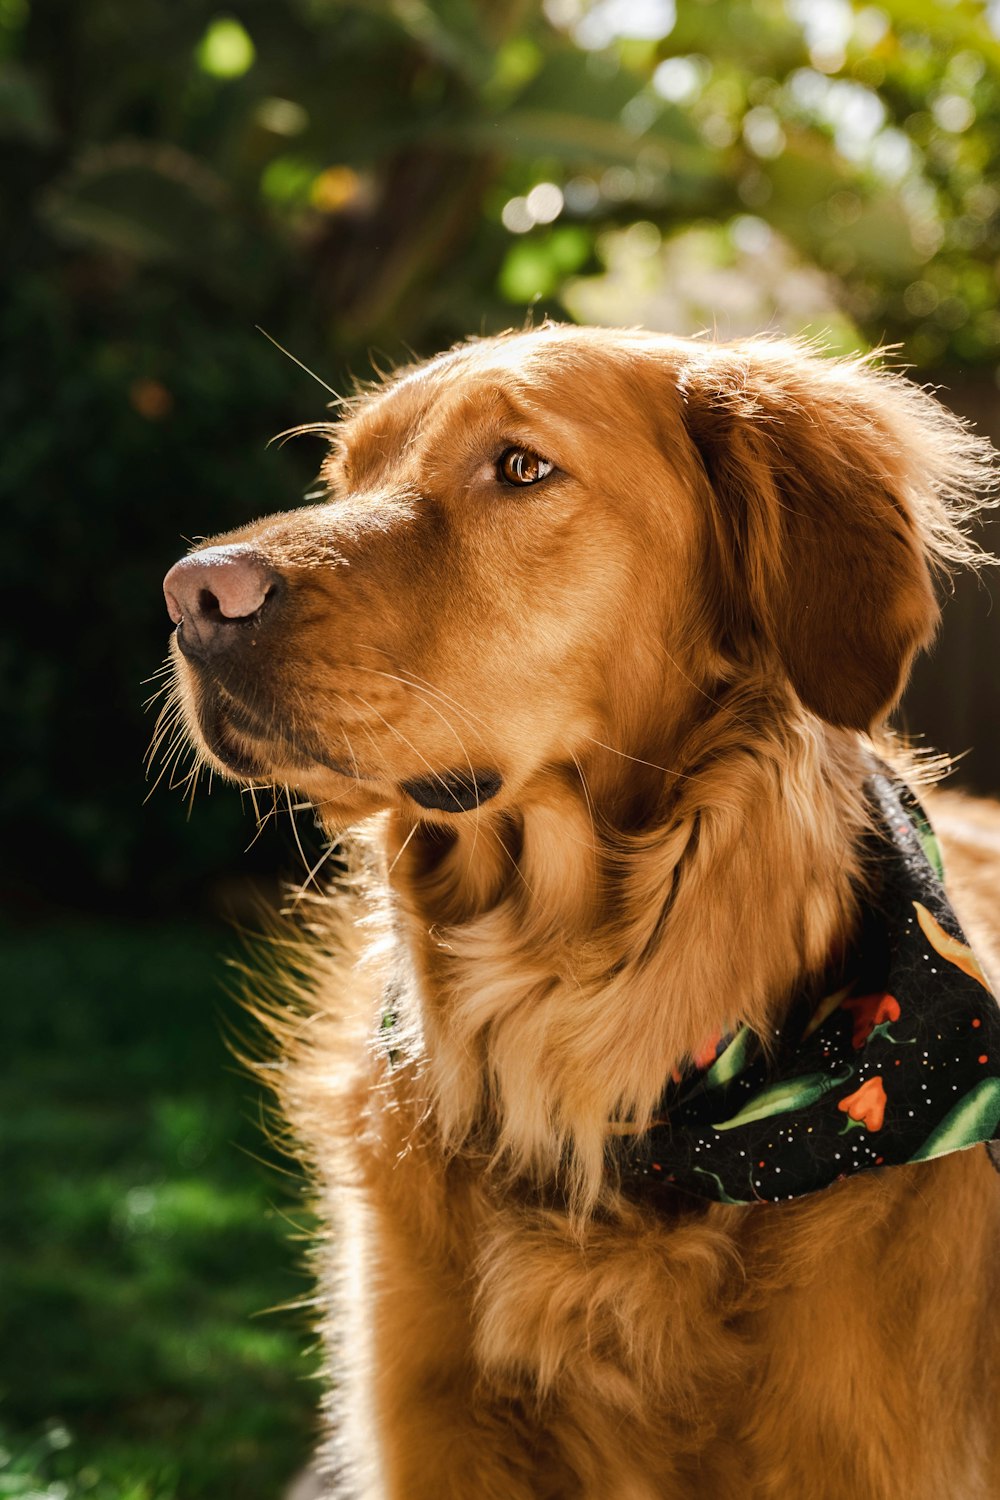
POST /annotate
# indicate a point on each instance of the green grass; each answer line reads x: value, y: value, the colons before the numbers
x: 142, y: 1244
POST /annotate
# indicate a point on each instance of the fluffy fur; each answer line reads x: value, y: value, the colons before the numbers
x: 673, y: 650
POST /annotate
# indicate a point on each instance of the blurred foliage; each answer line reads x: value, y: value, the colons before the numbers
x: 393, y: 174
x: 144, y: 1244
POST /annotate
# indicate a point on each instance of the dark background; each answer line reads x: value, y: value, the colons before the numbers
x: 362, y: 180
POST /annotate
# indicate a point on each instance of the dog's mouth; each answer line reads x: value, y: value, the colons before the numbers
x: 217, y: 732
x: 453, y: 791
x: 252, y: 744
x: 256, y: 742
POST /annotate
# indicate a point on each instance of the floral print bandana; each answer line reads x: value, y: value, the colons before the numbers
x: 898, y: 1061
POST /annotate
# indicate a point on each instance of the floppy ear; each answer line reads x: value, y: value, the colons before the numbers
x: 834, y: 487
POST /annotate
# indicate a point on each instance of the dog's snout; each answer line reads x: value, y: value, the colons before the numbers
x: 211, y: 593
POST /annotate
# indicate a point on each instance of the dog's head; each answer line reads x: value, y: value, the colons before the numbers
x: 564, y: 538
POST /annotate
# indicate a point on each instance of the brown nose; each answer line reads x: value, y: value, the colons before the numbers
x: 211, y: 594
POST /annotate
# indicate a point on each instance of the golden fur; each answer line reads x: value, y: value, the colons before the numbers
x: 673, y: 650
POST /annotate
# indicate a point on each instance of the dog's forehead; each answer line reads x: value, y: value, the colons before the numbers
x: 421, y: 398
x: 509, y: 379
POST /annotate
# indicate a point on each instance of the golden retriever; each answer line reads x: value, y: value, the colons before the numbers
x: 593, y: 632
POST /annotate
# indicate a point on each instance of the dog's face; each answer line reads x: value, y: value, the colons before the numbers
x: 548, y: 541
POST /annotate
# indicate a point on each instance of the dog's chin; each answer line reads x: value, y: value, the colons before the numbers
x: 229, y: 753
x: 339, y: 798
x: 233, y: 740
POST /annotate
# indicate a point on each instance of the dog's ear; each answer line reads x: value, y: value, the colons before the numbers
x: 833, y: 489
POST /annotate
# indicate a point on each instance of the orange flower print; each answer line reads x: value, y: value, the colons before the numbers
x: 959, y: 954
x: 703, y: 1058
x: 870, y: 1011
x: 866, y: 1105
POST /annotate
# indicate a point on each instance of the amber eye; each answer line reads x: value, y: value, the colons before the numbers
x: 521, y: 466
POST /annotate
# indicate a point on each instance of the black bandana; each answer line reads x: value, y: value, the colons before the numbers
x: 898, y: 1062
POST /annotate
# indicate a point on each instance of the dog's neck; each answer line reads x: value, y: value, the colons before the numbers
x: 564, y: 968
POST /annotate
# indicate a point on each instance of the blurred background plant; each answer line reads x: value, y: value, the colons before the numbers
x: 361, y: 179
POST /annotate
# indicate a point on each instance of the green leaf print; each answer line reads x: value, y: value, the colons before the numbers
x: 730, y: 1063
x: 928, y: 841
x: 797, y: 1093
x: 973, y: 1119
x: 721, y: 1193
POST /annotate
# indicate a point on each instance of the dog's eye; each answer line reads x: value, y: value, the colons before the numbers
x: 521, y: 466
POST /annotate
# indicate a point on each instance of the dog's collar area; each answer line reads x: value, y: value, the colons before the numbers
x: 894, y: 1058
x: 454, y: 791
x: 896, y: 1061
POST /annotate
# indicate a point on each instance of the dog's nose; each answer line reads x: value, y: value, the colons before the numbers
x: 211, y: 593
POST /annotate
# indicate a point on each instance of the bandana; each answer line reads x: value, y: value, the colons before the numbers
x: 899, y: 1061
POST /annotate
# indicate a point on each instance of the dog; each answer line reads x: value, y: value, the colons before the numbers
x: 594, y: 638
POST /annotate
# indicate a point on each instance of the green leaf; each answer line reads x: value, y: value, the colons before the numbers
x: 576, y: 83
x: 534, y: 267
x: 974, y: 1119
x: 720, y: 1190
x: 928, y: 841
x: 24, y: 110
x: 226, y: 50
x: 528, y: 272
x: 796, y: 1093
x: 452, y: 32
x: 574, y: 110
x: 730, y: 1063
x: 151, y: 203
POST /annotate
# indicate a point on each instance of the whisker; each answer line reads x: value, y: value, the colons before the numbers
x: 289, y: 355
x: 402, y: 849
x: 350, y: 751
x: 251, y: 791
x: 262, y: 821
x: 512, y: 861
x: 195, y: 777
x: 667, y: 770
x: 174, y: 749
x: 311, y: 876
x: 420, y: 692
x: 423, y: 682
x: 295, y: 830
x: 147, y: 703
x: 187, y: 751
x: 401, y: 737
x: 587, y: 800
x: 281, y: 438
x: 715, y: 702
x: 165, y: 726
x: 181, y: 748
